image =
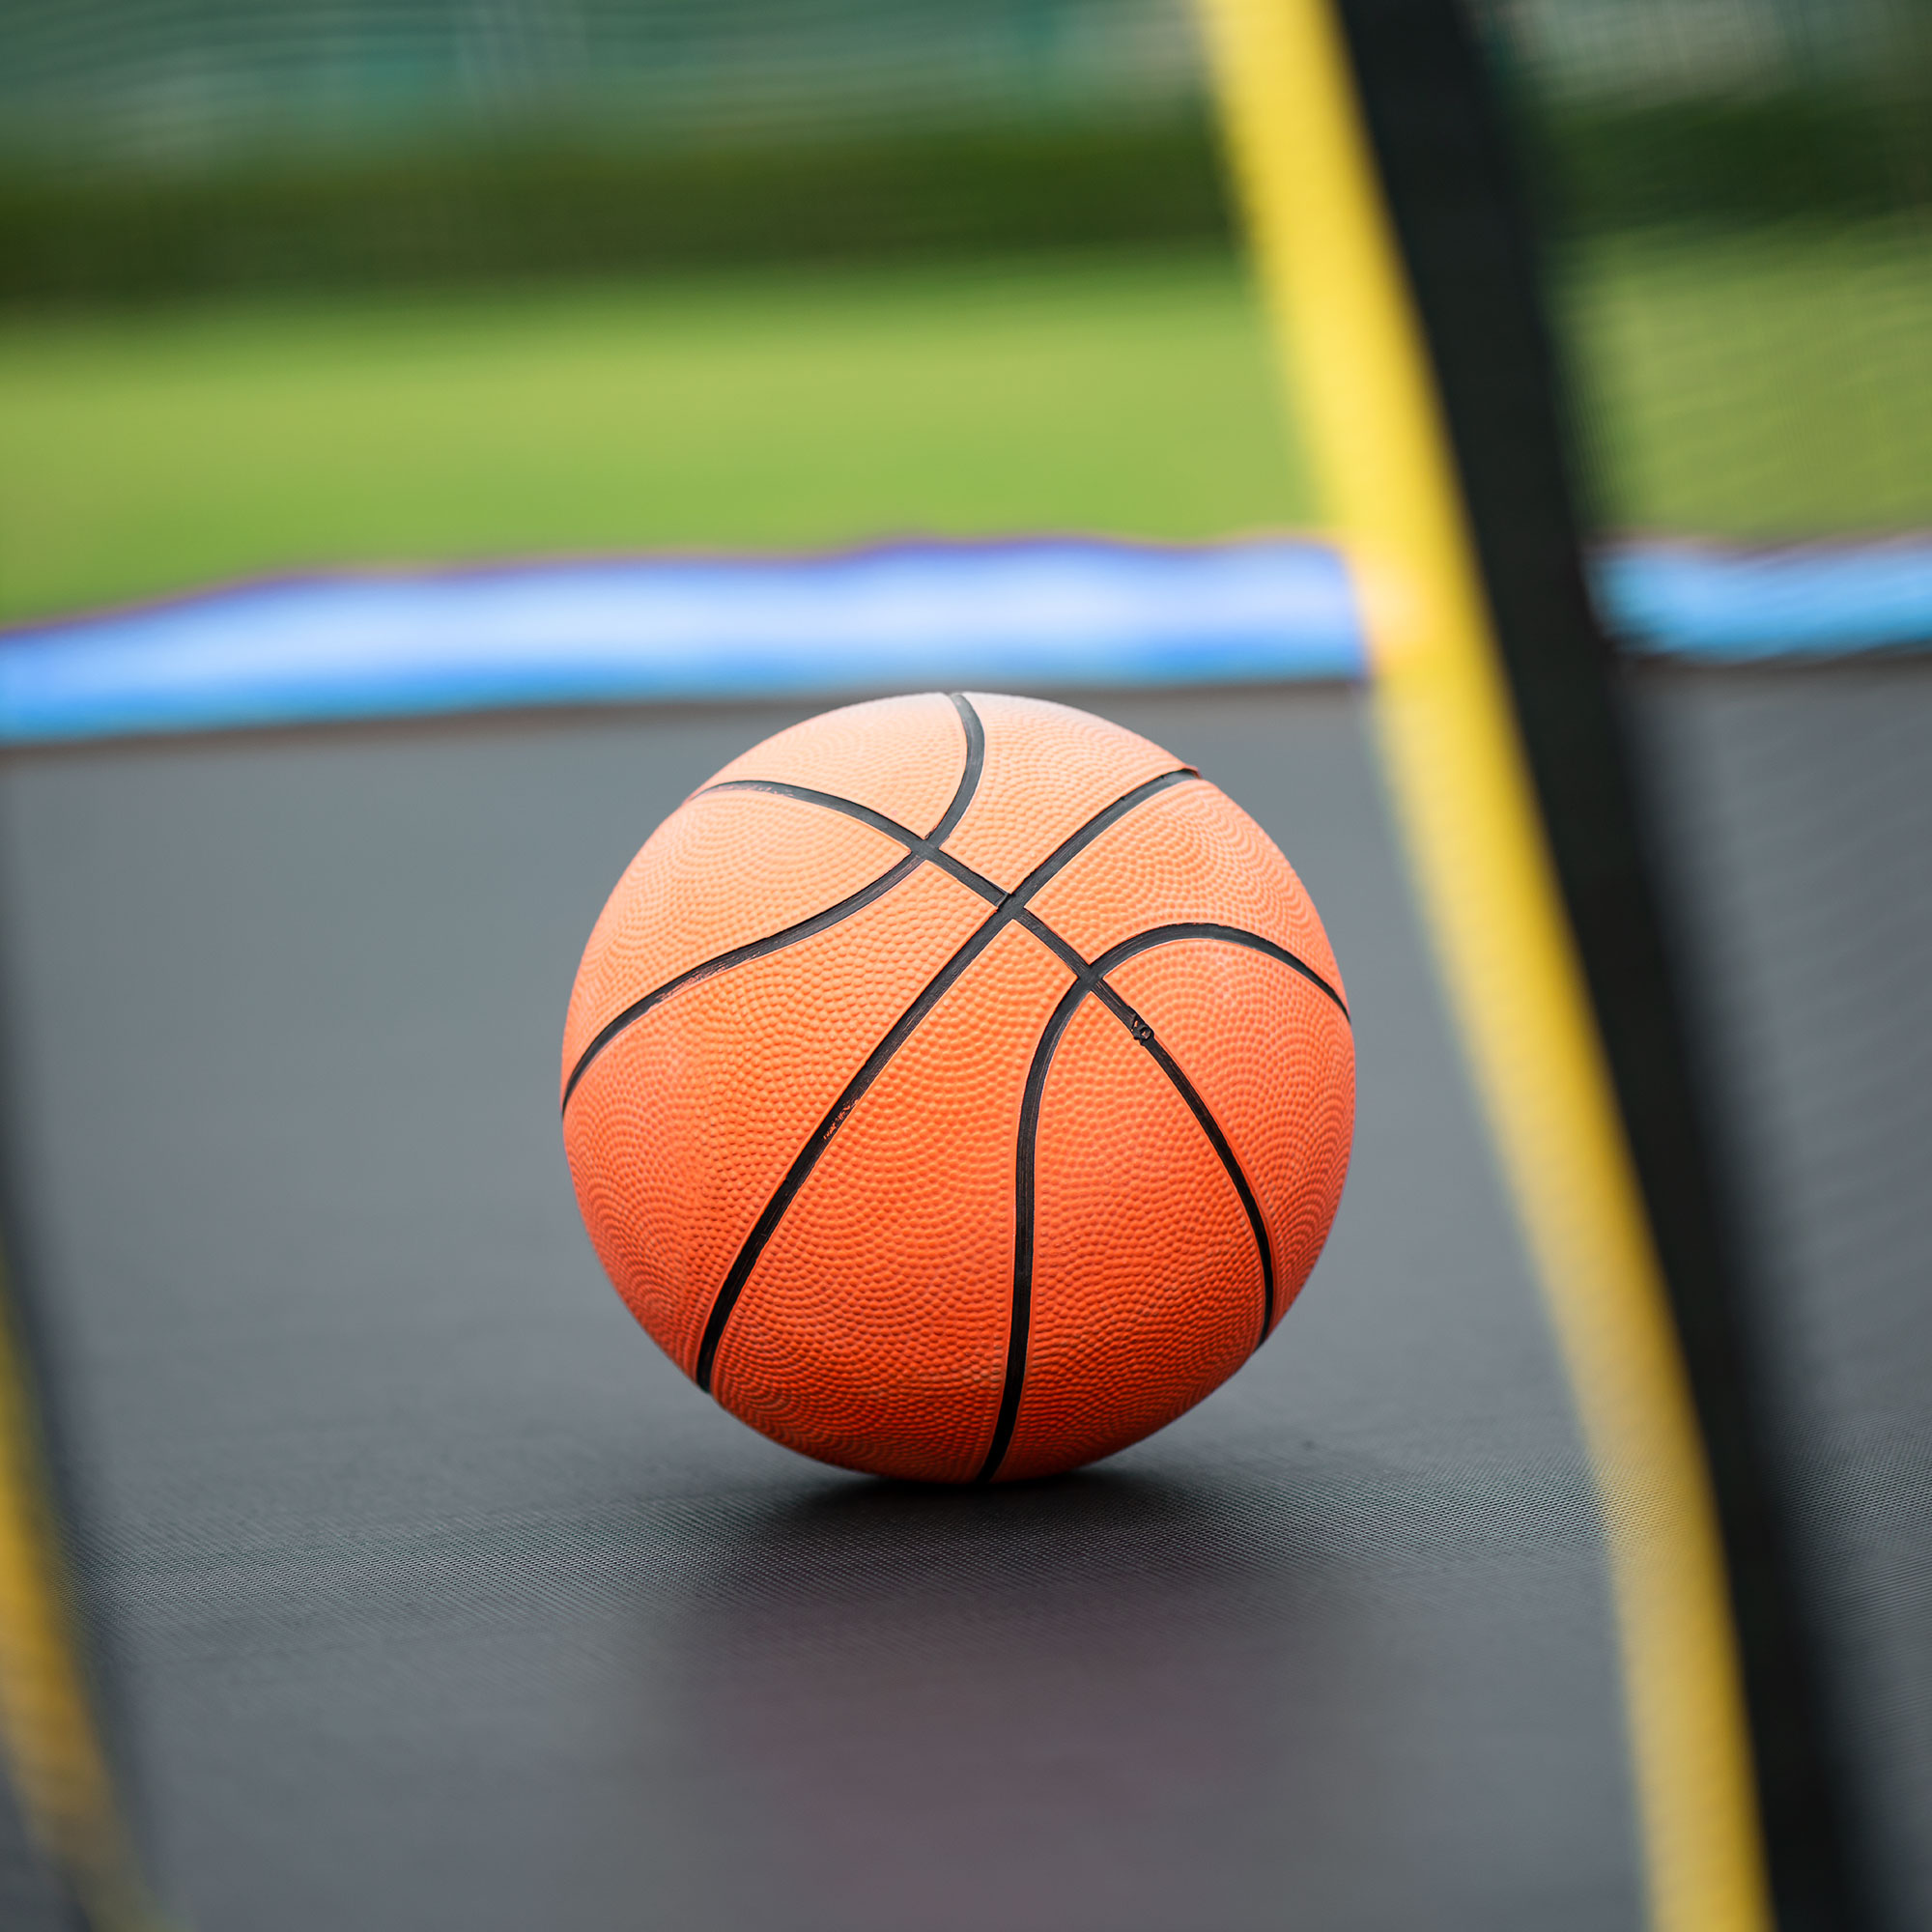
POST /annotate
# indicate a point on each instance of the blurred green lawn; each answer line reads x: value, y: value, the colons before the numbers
x: 144, y: 454
x: 1748, y: 389
x: 1771, y: 386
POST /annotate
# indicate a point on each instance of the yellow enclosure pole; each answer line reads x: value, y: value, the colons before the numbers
x: 46, y: 1721
x: 1366, y: 405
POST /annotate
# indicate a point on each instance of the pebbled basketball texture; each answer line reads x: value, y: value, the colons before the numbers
x: 958, y: 1088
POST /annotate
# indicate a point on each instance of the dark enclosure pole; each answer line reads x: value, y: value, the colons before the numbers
x: 1460, y: 223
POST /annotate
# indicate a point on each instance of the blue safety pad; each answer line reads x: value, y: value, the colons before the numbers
x: 1059, y: 613
x: 1054, y: 613
x: 1715, y: 606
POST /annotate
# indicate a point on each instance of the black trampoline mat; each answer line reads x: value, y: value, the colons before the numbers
x: 437, y: 1597
x: 1798, y: 809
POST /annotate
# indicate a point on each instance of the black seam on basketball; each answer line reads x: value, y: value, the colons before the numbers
x: 918, y: 852
x: 1087, y: 979
x: 1092, y: 977
x: 756, y: 949
x: 1234, y: 935
x: 1021, y: 1320
x: 1212, y: 1128
x: 975, y: 763
x: 831, y: 800
x: 1002, y: 915
x: 808, y: 1157
x: 927, y: 849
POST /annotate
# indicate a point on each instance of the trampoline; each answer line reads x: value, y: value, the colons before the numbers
x: 1564, y: 1560
x: 436, y: 1596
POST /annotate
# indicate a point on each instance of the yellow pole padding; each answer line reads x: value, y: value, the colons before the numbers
x: 46, y: 1721
x: 1365, y: 402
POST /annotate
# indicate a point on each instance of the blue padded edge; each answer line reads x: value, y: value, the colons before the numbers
x: 1061, y: 613
x: 1705, y: 605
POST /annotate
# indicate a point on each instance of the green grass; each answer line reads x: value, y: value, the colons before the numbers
x: 145, y: 454
x: 1741, y: 388
x: 1766, y: 385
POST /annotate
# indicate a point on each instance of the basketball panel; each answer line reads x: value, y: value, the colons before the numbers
x: 902, y: 756
x: 1048, y: 770
x: 1274, y: 1059
x: 685, y: 1125
x: 1188, y: 853
x: 873, y: 1333
x: 1147, y: 1280
x: 721, y: 871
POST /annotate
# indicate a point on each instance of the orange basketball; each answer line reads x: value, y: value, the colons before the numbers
x: 958, y: 1088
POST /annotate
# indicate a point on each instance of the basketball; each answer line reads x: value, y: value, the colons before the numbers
x: 958, y: 1088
